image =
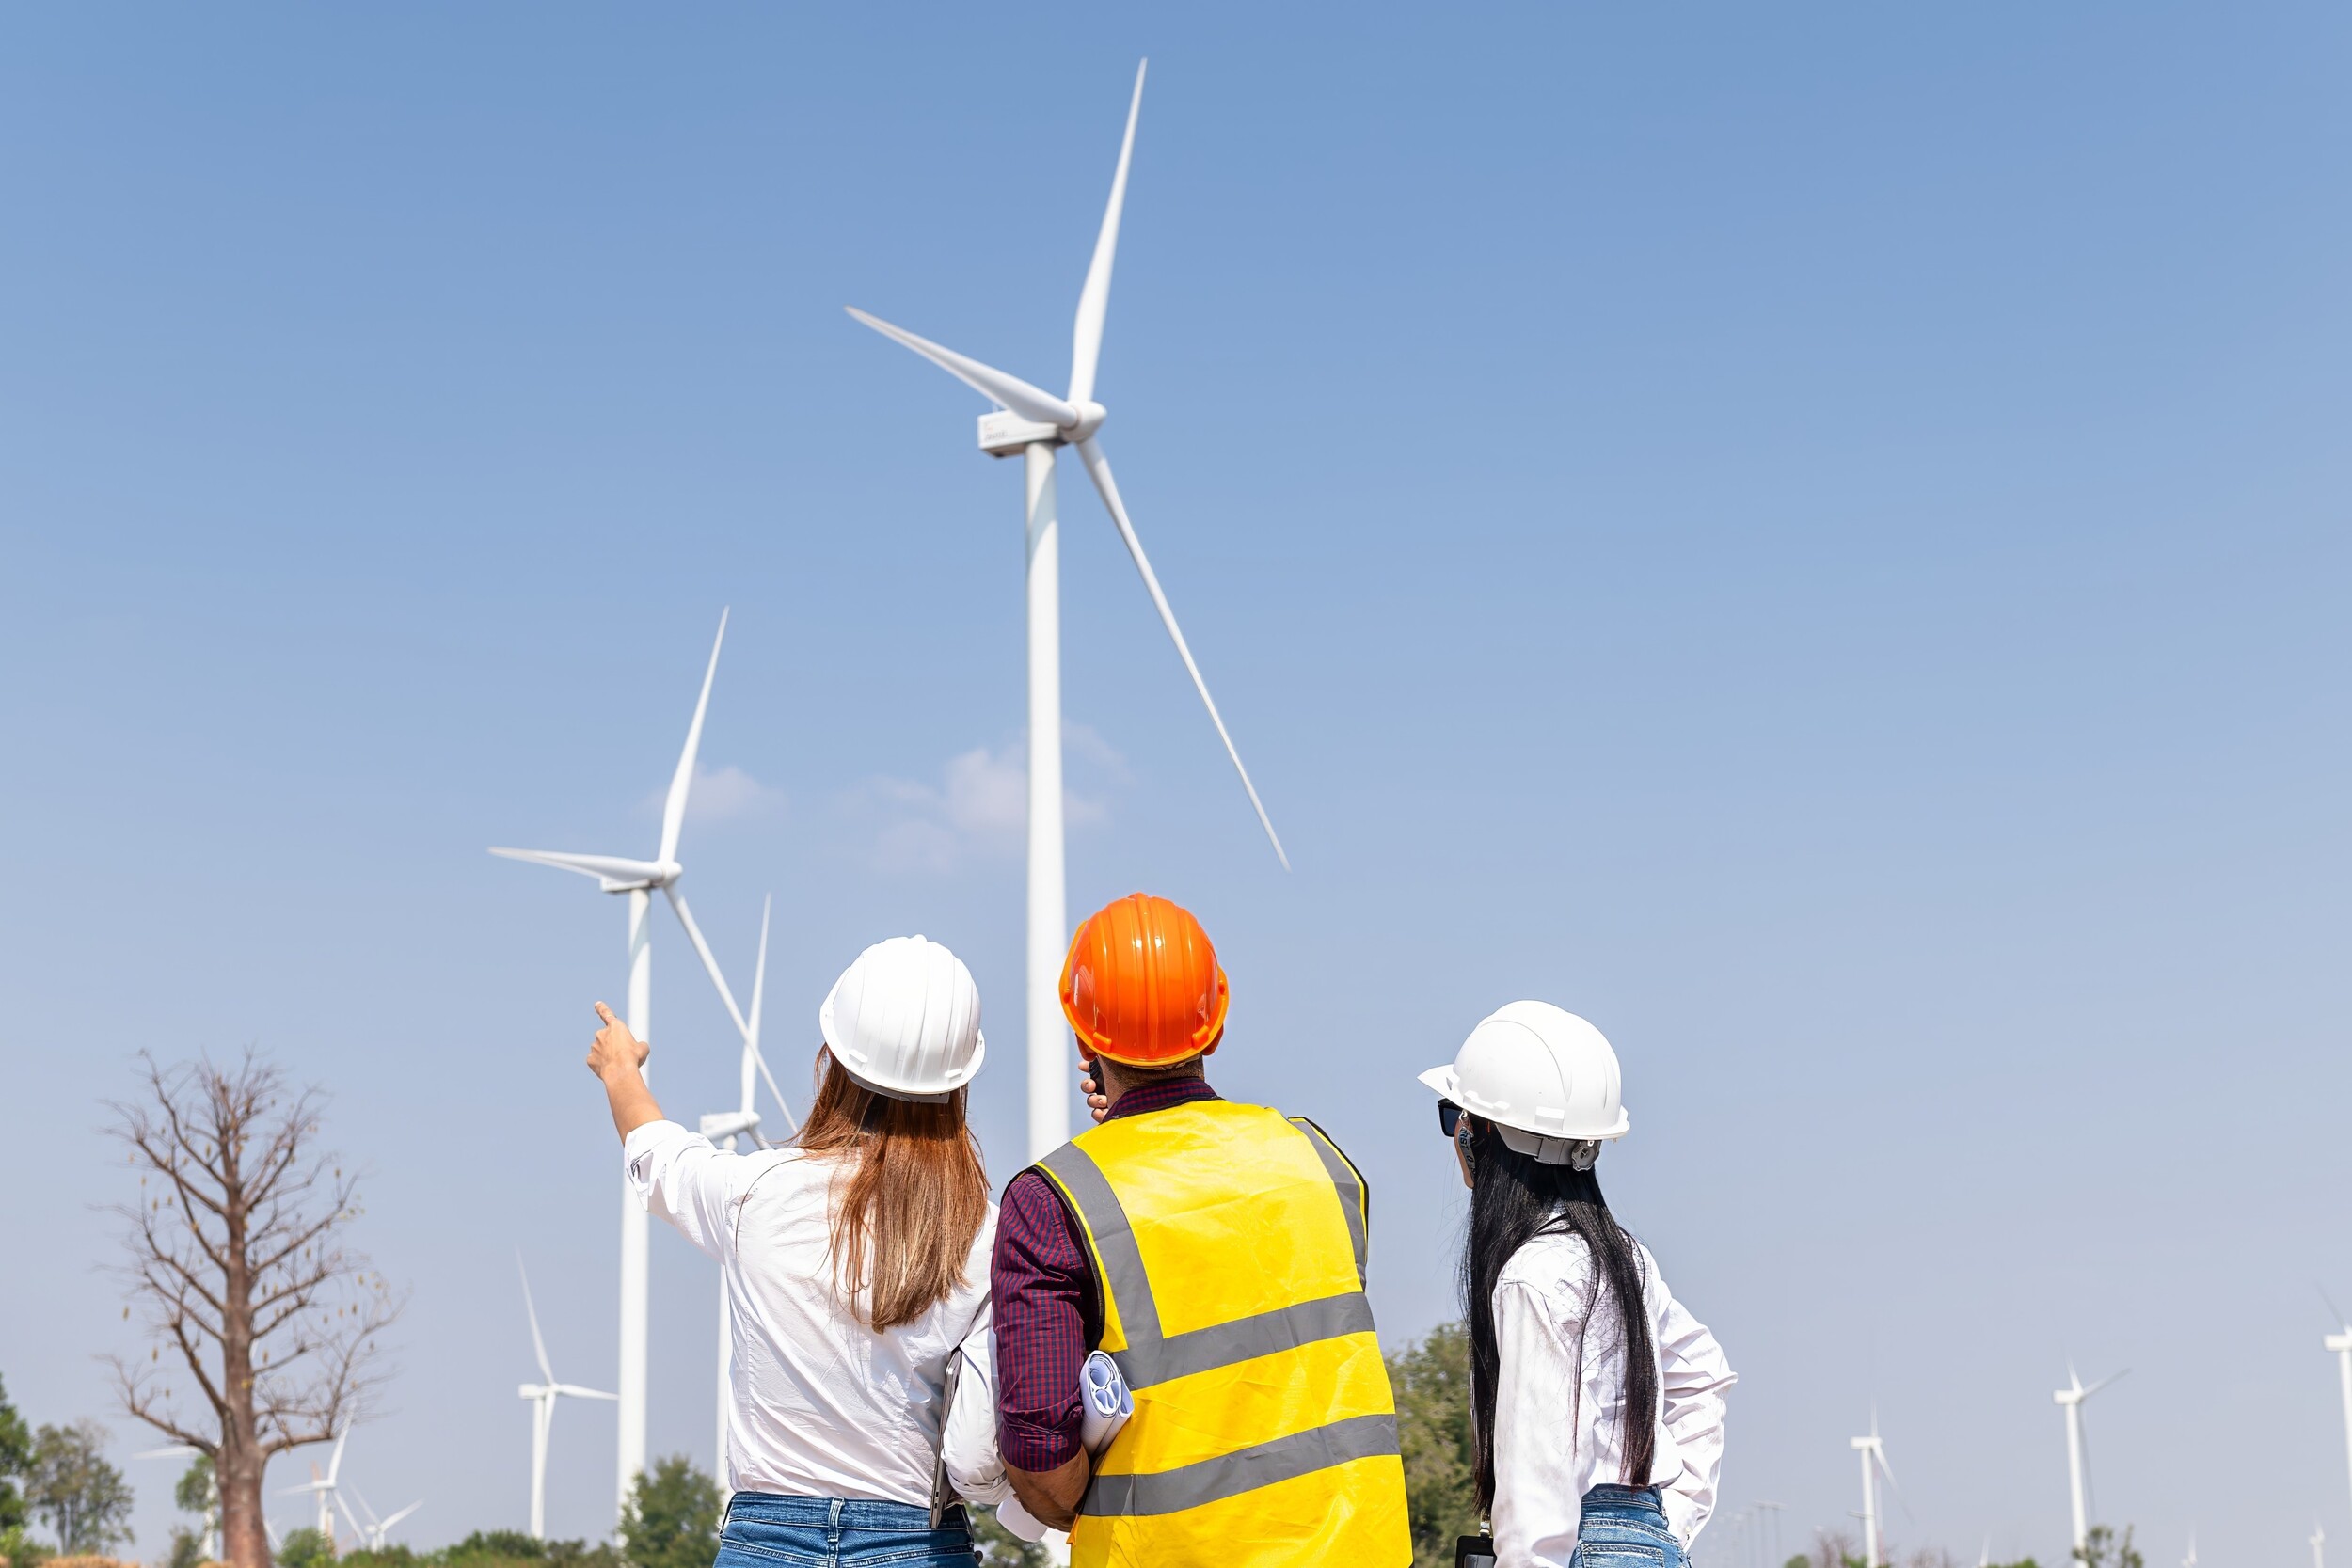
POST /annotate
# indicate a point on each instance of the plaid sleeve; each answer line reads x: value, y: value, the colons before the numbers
x: 1049, y: 1316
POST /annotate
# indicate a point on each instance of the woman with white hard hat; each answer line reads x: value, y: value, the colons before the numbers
x: 1597, y: 1398
x: 855, y: 1261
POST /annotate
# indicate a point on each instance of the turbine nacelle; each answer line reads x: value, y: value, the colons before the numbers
x: 727, y: 1124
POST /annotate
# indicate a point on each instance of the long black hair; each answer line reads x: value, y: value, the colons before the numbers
x: 1514, y: 1199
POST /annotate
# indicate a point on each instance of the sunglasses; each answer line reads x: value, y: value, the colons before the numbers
x: 1448, y: 1116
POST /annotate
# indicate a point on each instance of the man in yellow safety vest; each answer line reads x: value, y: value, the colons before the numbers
x: 1215, y: 1251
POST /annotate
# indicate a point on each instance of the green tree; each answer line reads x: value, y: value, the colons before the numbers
x: 1432, y: 1381
x: 998, y: 1546
x: 306, y: 1547
x: 496, y: 1545
x: 672, y: 1519
x: 16, y: 1459
x: 2102, y: 1549
x: 83, y: 1499
x: 187, y: 1548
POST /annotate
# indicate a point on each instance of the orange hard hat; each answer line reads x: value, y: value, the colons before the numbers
x: 1142, y: 984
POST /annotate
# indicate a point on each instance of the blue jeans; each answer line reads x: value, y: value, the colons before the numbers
x: 764, y: 1530
x: 1623, y: 1526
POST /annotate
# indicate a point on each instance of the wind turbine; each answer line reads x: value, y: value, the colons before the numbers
x: 2190, y: 1560
x: 542, y: 1396
x: 1037, y: 424
x: 374, y: 1531
x: 639, y: 880
x: 2319, y: 1538
x: 2342, y: 1345
x: 1874, y: 1463
x: 212, y: 1513
x: 322, y: 1487
x: 2070, y: 1400
x: 724, y: 1127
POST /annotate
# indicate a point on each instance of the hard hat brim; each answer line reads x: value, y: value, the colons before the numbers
x: 1440, y: 1079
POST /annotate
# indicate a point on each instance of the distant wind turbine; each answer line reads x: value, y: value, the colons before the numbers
x: 2342, y: 1345
x: 2319, y: 1539
x: 2190, y: 1560
x: 374, y: 1533
x: 542, y: 1396
x: 322, y: 1487
x: 211, y: 1511
x: 1037, y: 424
x: 1873, y: 1452
x: 639, y: 880
x: 2070, y: 1400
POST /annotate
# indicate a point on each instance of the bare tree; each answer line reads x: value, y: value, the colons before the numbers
x: 235, y: 1258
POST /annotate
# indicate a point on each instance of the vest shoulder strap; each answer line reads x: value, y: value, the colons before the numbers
x: 1151, y: 1357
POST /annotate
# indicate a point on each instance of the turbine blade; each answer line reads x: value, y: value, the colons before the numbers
x: 1094, y: 299
x: 1099, y: 469
x: 401, y: 1515
x: 674, y: 805
x: 694, y: 935
x: 2105, y: 1381
x: 2333, y: 1314
x: 538, y: 1346
x: 751, y: 1030
x: 610, y: 869
x: 335, y: 1459
x: 575, y: 1391
x: 364, y: 1508
x: 1005, y: 392
x: 782, y: 1104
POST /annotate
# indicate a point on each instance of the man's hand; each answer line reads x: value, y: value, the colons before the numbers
x: 615, y: 1048
x: 1098, y: 1103
x: 1053, y: 1496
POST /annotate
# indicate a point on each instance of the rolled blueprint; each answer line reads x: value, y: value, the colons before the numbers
x: 1104, y: 1406
x: 1104, y: 1402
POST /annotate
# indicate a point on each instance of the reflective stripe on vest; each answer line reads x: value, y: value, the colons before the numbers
x: 1230, y: 1244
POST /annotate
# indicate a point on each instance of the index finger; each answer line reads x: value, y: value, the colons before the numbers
x: 606, y: 1013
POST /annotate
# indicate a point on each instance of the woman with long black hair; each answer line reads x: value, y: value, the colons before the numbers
x: 1598, y: 1400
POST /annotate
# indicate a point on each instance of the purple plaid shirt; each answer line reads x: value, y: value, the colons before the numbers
x: 1049, y: 1311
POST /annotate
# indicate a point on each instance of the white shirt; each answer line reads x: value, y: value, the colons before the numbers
x: 823, y: 1407
x: 1559, y: 1402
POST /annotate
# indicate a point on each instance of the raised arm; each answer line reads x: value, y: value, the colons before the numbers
x: 617, y: 1058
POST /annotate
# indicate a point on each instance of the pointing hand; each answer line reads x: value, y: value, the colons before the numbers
x: 615, y: 1048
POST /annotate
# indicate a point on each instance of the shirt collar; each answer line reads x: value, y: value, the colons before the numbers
x: 1158, y: 1096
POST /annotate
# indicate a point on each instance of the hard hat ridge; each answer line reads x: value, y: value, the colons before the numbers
x: 904, y: 1019
x: 1142, y: 985
x: 1547, y: 1079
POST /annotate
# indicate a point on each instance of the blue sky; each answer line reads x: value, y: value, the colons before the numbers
x: 1812, y: 536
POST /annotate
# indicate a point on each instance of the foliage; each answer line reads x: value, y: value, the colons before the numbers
x: 1432, y: 1381
x: 187, y: 1547
x: 16, y: 1458
x: 306, y: 1547
x: 18, y: 1550
x: 2102, y: 1549
x: 2021, y: 1563
x: 194, y: 1493
x: 998, y: 1546
x: 498, y: 1548
x: 672, y: 1517
x: 83, y: 1499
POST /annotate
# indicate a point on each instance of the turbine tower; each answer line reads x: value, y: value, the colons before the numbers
x: 2319, y: 1539
x: 1874, y: 1463
x: 1037, y: 424
x: 212, y: 1510
x: 2070, y: 1400
x: 639, y: 880
x: 724, y: 1127
x: 2342, y: 1345
x: 542, y: 1396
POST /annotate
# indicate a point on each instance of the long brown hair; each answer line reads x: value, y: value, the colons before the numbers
x: 906, y: 1212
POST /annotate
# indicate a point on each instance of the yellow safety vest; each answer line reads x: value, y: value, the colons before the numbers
x: 1228, y: 1244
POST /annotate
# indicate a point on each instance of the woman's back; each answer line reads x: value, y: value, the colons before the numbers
x: 1563, y: 1343
x: 823, y: 1404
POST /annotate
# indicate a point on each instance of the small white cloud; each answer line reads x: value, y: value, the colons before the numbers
x: 979, y: 809
x: 722, y: 794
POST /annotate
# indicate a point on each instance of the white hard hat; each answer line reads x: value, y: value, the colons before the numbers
x: 904, y: 1021
x: 1542, y: 1075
